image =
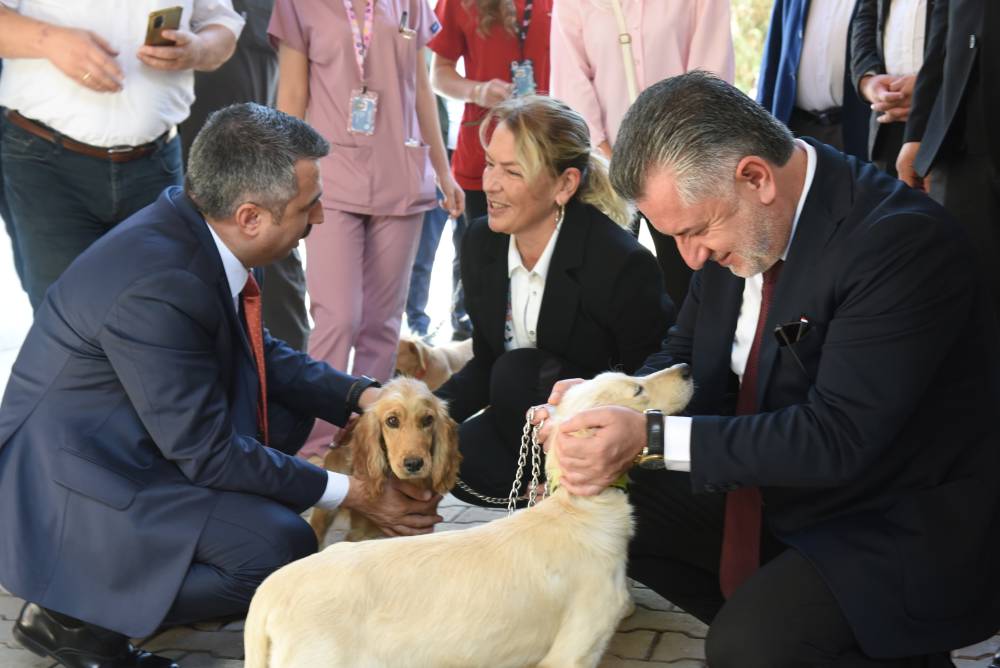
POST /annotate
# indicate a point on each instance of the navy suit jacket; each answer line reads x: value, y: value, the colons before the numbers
x: 604, y: 304
x: 779, y: 71
x: 879, y: 461
x: 130, y: 408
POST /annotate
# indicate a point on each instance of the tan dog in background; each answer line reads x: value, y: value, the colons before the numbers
x: 545, y: 587
x: 432, y: 364
x: 407, y: 433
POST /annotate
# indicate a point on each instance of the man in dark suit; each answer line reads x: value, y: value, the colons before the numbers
x: 952, y: 148
x: 846, y: 371
x: 251, y: 75
x: 136, y: 488
x: 885, y: 58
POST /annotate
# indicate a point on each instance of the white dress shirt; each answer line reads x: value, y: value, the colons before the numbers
x: 677, y: 431
x: 150, y: 102
x: 903, y: 41
x: 236, y: 277
x: 819, y: 84
x: 526, y: 291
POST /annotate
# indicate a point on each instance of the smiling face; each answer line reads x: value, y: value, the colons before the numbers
x: 735, y: 229
x: 517, y: 202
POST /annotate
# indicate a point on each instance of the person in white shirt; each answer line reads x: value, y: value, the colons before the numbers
x: 555, y: 285
x: 887, y: 50
x: 90, y: 133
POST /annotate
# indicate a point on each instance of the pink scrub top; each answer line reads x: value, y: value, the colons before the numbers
x: 387, y: 173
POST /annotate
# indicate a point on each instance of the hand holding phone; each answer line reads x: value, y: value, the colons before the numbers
x: 160, y: 20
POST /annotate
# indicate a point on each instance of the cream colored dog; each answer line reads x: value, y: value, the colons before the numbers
x: 432, y: 364
x: 545, y: 587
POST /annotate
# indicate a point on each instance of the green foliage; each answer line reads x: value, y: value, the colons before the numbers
x: 749, y: 24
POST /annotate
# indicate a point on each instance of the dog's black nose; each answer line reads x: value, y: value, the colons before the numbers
x: 685, y: 371
x: 413, y: 464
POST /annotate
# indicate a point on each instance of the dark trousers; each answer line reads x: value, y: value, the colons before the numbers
x: 475, y: 207
x: 784, y: 616
x: 61, y: 201
x: 804, y: 124
x: 420, y: 278
x: 491, y: 439
x: 887, y: 145
x: 8, y: 221
x: 283, y: 301
x: 245, y: 539
x: 968, y: 186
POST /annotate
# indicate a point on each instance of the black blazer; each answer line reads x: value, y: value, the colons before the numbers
x: 879, y: 462
x: 130, y: 408
x: 604, y: 305
x: 962, y: 33
x: 867, y: 54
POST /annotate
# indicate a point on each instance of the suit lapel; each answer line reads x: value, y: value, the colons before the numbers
x: 722, y: 293
x: 827, y: 204
x: 495, y: 291
x: 212, y: 267
x: 562, y: 291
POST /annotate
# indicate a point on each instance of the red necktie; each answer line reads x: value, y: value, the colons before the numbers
x: 255, y: 329
x: 741, y: 530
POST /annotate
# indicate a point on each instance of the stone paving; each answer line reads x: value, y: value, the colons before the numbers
x: 658, y: 634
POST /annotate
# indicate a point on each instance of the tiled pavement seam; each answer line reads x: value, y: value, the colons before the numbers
x: 658, y: 634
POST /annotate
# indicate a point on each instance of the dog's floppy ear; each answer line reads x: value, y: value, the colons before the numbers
x: 418, y: 348
x: 446, y: 455
x: 366, y: 449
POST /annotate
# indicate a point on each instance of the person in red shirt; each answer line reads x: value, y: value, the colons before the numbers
x: 505, y: 48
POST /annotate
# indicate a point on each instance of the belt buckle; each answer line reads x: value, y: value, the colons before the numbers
x: 113, y: 150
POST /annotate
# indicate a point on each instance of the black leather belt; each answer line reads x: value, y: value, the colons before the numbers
x: 826, y: 117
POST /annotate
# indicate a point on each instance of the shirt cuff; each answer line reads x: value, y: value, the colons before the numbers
x: 336, y: 491
x: 677, y: 443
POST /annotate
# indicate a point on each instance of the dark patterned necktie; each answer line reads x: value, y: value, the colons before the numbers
x: 741, y: 530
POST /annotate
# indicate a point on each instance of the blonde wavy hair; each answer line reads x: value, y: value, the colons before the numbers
x: 500, y: 12
x: 550, y: 138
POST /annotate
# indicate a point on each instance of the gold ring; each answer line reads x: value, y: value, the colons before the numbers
x: 86, y: 75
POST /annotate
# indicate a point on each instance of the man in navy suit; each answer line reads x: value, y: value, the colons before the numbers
x: 136, y: 489
x: 832, y: 498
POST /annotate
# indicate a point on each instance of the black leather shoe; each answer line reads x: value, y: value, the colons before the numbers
x: 83, y: 646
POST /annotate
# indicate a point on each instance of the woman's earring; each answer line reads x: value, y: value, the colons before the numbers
x: 560, y: 214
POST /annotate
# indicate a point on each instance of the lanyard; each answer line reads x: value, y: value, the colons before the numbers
x: 525, y: 22
x: 362, y: 40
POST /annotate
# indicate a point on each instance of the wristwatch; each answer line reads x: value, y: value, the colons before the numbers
x: 651, y: 456
x: 357, y: 389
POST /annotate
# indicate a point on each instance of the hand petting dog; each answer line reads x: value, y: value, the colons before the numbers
x: 594, y: 447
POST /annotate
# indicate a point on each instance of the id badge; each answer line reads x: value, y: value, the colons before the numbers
x: 522, y: 75
x: 364, y: 104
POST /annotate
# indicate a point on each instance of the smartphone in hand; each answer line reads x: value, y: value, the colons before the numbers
x: 160, y: 20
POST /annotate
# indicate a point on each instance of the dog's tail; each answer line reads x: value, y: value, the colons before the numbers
x: 256, y: 641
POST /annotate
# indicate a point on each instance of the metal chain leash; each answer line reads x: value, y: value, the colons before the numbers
x: 529, y: 442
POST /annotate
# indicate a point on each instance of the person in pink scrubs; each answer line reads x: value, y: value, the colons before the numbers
x: 354, y: 70
x: 666, y: 39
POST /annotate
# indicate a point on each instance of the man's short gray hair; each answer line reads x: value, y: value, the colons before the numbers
x: 699, y: 127
x: 247, y: 152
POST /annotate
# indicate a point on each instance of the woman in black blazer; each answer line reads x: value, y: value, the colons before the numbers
x: 554, y: 287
